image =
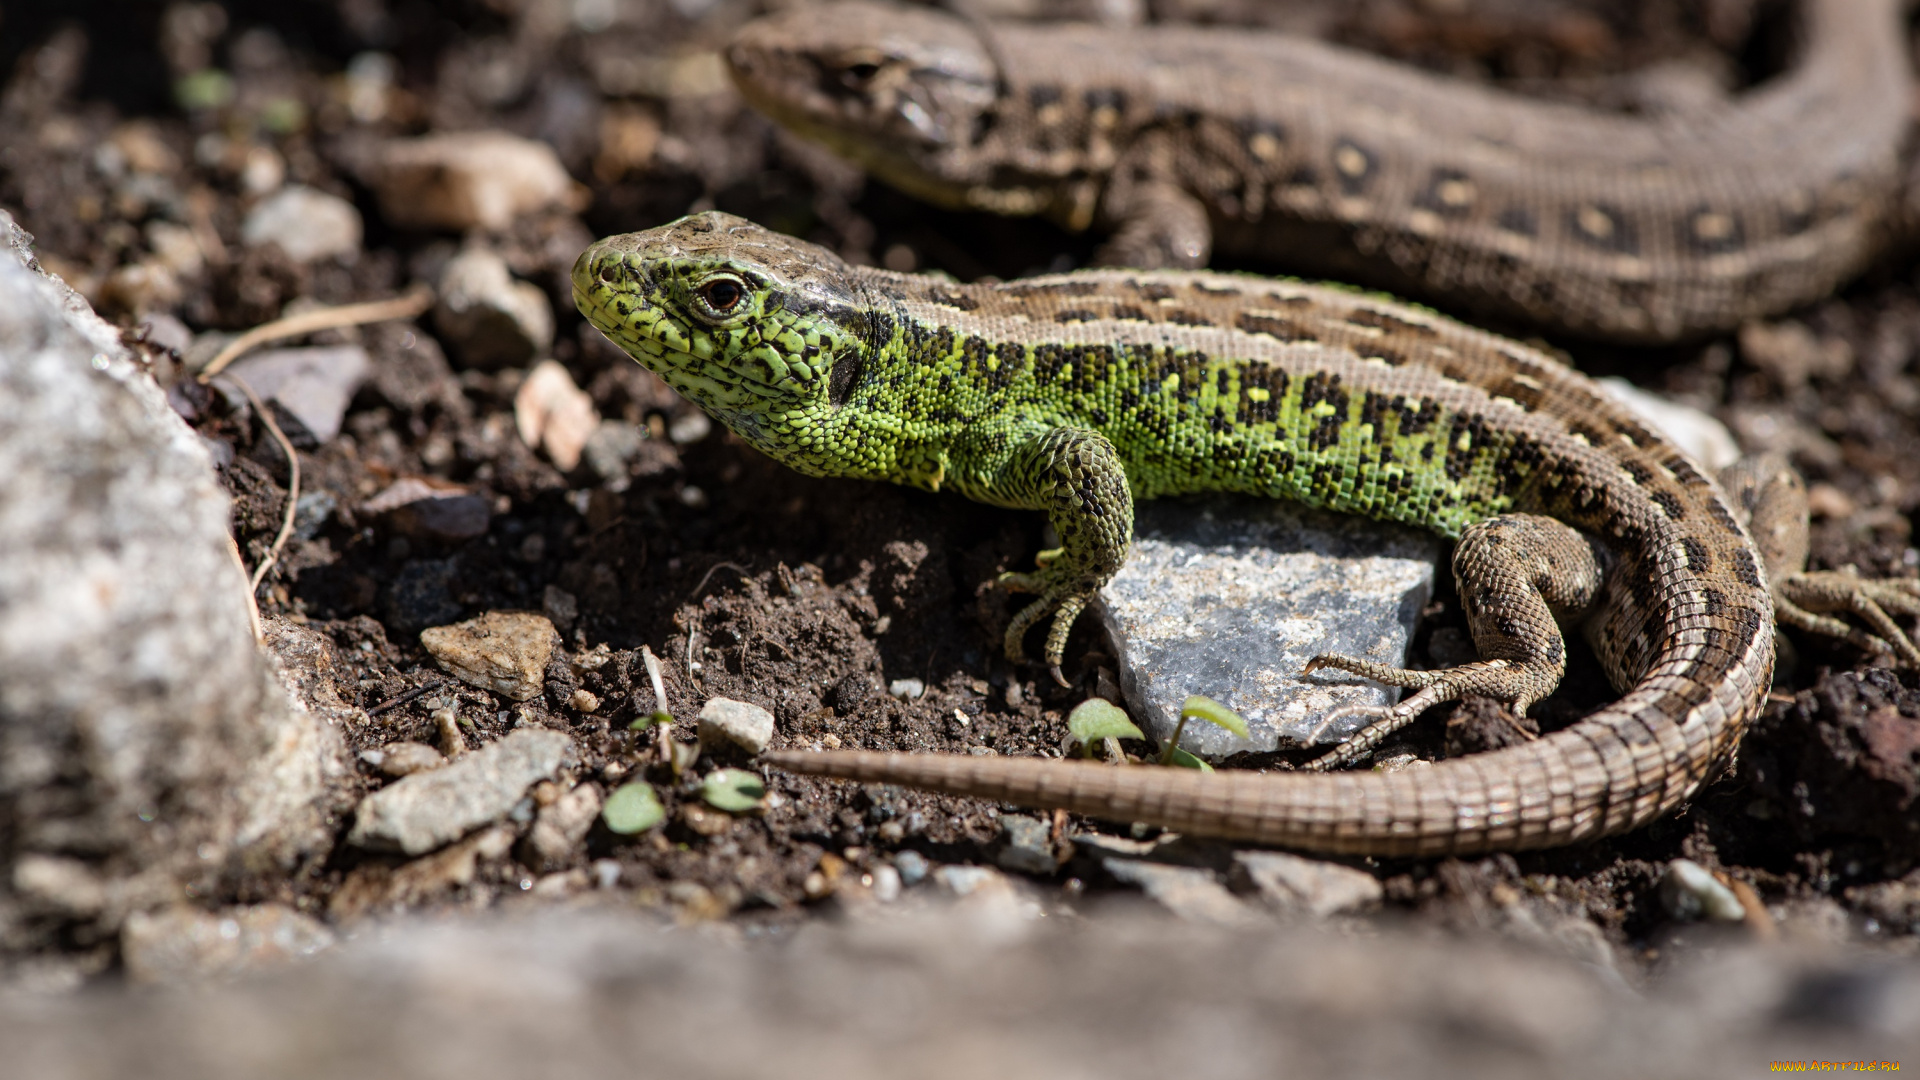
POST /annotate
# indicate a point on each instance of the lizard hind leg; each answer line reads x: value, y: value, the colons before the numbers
x: 1767, y: 490
x: 1521, y: 576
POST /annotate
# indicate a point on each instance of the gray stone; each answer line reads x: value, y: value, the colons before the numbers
x: 1026, y: 846
x: 907, y: 689
x: 307, y: 224
x: 424, y: 811
x: 1318, y: 888
x: 183, y: 943
x: 312, y: 385
x: 486, y: 317
x: 1189, y: 892
x: 913, y: 867
x: 505, y: 652
x: 142, y: 731
x: 426, y: 510
x: 745, y: 725
x: 611, y: 448
x: 1231, y: 597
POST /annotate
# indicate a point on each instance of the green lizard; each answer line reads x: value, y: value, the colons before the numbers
x: 1079, y: 393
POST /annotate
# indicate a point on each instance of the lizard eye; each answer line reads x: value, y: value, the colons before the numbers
x: 720, y: 296
x: 861, y: 67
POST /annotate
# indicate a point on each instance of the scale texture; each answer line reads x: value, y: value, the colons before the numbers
x: 1078, y: 393
x: 1179, y: 140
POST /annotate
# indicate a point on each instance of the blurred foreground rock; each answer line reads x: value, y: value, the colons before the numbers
x: 975, y: 988
x: 147, y: 752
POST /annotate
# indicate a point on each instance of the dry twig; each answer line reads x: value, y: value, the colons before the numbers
x: 293, y: 485
x: 413, y: 303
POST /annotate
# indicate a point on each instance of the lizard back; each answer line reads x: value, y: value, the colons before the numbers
x: 1222, y: 382
x: 1336, y: 162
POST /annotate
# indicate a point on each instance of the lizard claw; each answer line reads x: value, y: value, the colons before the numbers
x: 1061, y: 596
x: 1814, y: 600
x: 1502, y: 679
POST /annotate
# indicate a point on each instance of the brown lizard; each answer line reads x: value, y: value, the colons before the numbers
x: 1188, y: 140
x: 1078, y: 393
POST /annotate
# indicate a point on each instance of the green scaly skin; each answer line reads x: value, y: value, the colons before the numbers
x: 1045, y: 425
x: 1078, y: 393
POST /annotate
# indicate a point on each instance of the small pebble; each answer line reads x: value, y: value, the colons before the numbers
x: 907, y: 689
x: 745, y: 725
x: 427, y: 509
x: 452, y: 742
x: 466, y: 180
x: 913, y: 867
x: 407, y: 758
x: 505, y: 652
x: 886, y: 884
x: 419, y: 813
x: 1690, y: 891
x: 606, y: 873
x: 689, y: 427
x: 312, y: 385
x: 1319, y: 888
x: 488, y: 318
x: 305, y: 223
x: 1026, y: 846
x: 585, y: 701
x: 553, y: 414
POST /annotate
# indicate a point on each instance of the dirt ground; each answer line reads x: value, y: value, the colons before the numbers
x: 810, y: 597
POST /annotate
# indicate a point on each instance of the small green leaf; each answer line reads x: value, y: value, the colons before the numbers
x: 656, y: 717
x: 1181, y: 759
x: 208, y: 88
x: 1096, y: 718
x: 632, y: 808
x: 1205, y: 708
x: 734, y: 790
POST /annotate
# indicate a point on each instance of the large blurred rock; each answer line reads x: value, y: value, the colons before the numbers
x: 974, y: 990
x: 146, y: 748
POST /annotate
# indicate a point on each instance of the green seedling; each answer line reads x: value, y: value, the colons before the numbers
x: 734, y: 790
x: 642, y: 723
x: 1202, y: 708
x: 1181, y: 759
x: 632, y: 808
x: 1095, y: 719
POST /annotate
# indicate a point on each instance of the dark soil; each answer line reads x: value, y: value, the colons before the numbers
x: 810, y: 596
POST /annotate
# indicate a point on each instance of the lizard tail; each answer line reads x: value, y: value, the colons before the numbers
x: 1599, y: 777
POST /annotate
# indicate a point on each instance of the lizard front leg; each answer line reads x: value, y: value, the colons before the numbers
x: 1521, y: 577
x: 1768, y: 490
x: 1076, y: 477
x: 1157, y: 223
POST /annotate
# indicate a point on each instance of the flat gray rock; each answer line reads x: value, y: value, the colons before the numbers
x: 313, y: 384
x: 426, y: 810
x: 1230, y: 597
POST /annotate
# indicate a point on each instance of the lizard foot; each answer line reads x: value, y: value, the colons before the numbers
x: 1060, y: 596
x: 1505, y: 680
x: 1813, y: 600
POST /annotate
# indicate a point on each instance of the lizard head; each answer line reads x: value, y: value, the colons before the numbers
x: 763, y: 331
x: 899, y: 90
